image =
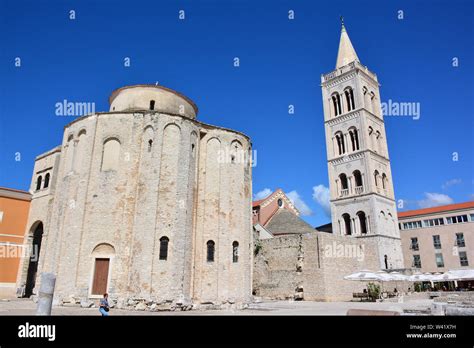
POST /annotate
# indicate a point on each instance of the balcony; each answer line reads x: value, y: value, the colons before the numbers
x: 359, y: 190
x: 344, y: 192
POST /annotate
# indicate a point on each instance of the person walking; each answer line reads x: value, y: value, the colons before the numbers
x: 104, y: 305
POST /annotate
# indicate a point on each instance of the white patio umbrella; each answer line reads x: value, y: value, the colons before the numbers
x: 418, y: 277
x: 397, y: 276
x: 364, y: 275
x: 461, y: 274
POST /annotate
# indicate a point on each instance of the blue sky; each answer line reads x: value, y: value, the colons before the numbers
x: 281, y: 61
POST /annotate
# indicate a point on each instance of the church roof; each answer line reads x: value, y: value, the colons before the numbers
x: 286, y: 222
x: 346, y: 53
x: 435, y: 210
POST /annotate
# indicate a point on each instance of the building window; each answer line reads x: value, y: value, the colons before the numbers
x: 416, y: 261
x: 210, y: 251
x: 152, y: 105
x: 437, y: 242
x: 358, y: 181
x: 433, y: 222
x: 150, y: 145
x: 456, y: 219
x: 111, y: 155
x: 362, y: 222
x: 235, y: 252
x: 347, y: 224
x: 354, y: 139
x: 280, y: 202
x: 439, y: 260
x: 164, y: 248
x: 414, y: 244
x: 384, y: 181
x: 340, y: 143
x: 472, y: 217
x: 39, y: 180
x: 344, y: 184
x: 336, y: 101
x: 463, y: 258
x: 349, y: 93
x: 460, y: 240
x: 411, y: 225
x: 376, y: 178
x: 46, y: 180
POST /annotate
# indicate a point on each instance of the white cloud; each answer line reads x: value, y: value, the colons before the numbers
x: 434, y: 199
x: 450, y: 183
x: 321, y: 196
x: 299, y: 203
x: 262, y: 194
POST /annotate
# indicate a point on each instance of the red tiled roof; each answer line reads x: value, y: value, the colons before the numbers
x: 257, y: 203
x: 260, y: 201
x: 425, y: 211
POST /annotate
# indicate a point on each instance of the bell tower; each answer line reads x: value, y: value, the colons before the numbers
x: 360, y: 178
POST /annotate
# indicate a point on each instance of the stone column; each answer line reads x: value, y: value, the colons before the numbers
x: 45, y: 298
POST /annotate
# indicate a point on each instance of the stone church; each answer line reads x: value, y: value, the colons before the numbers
x: 143, y: 202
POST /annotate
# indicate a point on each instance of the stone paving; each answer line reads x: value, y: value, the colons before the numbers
x: 27, y: 307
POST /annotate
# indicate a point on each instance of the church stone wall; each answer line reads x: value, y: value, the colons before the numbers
x: 312, y: 266
x: 169, y: 176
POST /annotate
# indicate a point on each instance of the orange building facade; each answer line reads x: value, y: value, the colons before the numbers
x: 14, y: 208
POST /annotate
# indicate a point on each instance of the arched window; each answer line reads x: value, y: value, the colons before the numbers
x: 358, y: 181
x: 46, y: 180
x: 362, y: 222
x: 152, y: 105
x: 344, y: 184
x: 343, y: 178
x: 384, y: 181
x: 78, y: 164
x: 349, y: 93
x: 110, y: 154
x: 370, y: 141
x: 340, y: 143
x: 150, y: 145
x: 377, y: 141
x: 373, y: 102
x: 367, y: 100
x: 235, y: 251
x: 164, y: 248
x: 354, y: 138
x: 347, y: 224
x: 39, y: 180
x: 376, y: 178
x: 336, y: 102
x: 210, y: 250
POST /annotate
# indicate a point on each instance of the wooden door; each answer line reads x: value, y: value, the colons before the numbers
x: 101, y: 274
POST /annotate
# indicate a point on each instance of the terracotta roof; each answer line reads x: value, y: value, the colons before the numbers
x: 260, y: 201
x: 433, y: 210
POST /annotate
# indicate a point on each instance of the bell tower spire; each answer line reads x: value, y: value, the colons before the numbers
x: 346, y: 53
